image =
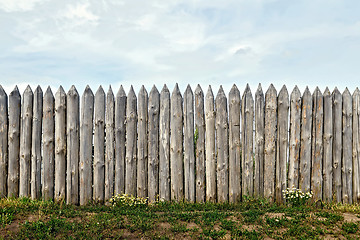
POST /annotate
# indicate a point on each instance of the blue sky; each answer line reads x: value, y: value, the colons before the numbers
x: 308, y: 43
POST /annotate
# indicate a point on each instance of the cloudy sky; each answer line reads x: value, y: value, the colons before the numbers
x: 303, y: 42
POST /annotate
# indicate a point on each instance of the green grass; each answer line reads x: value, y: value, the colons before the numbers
x: 252, y: 219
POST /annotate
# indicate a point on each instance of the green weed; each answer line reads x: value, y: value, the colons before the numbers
x: 350, y: 227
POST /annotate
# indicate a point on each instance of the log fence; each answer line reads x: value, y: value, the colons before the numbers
x: 172, y: 146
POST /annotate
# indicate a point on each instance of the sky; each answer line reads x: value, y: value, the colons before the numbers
x: 210, y: 42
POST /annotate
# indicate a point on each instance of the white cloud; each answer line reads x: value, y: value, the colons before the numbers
x: 80, y: 11
x: 18, y: 5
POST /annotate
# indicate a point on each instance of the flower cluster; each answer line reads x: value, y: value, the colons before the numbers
x: 296, y: 197
x: 128, y: 200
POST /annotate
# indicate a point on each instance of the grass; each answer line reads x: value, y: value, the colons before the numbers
x: 251, y: 219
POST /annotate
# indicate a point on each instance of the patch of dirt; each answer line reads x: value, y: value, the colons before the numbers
x: 126, y: 234
x: 232, y: 218
x: 227, y: 236
x: 268, y: 238
x: 274, y: 215
x: 349, y: 217
x: 191, y: 225
x: 75, y: 219
x: 32, y: 218
x: 250, y: 227
x: 164, y: 225
x: 13, y: 228
x: 330, y: 237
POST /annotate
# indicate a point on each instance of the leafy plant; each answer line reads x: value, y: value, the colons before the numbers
x: 296, y: 197
x: 350, y: 227
x: 128, y: 200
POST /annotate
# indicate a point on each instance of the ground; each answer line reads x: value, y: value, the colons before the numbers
x: 250, y: 219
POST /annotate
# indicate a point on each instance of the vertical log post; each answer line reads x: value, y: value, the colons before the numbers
x: 142, y: 162
x: 3, y: 142
x: 294, y: 144
x: 164, y: 145
x: 14, y: 142
x: 99, y: 146
x: 25, y: 142
x: 200, y: 144
x: 222, y: 146
x: 247, y: 112
x: 328, y: 145
x: 317, y: 145
x: 72, y: 130
x: 131, y: 137
x: 282, y: 143
x: 347, y: 167
x: 60, y: 144
x: 48, y: 145
x: 153, y: 144
x: 86, y: 144
x: 305, y: 151
x: 110, y: 141
x: 234, y: 145
x: 337, y: 144
x: 120, y: 137
x: 259, y: 143
x: 356, y: 145
x: 189, y: 157
x: 270, y: 142
x: 36, y: 144
x: 210, y: 162
x: 176, y: 147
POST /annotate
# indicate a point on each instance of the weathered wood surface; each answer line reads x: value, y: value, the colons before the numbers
x: 86, y: 143
x: 60, y: 144
x: 305, y: 149
x: 36, y: 139
x: 131, y: 143
x: 153, y: 144
x: 14, y: 142
x: 347, y: 167
x: 176, y: 147
x: 234, y: 145
x: 282, y: 143
x: 317, y: 145
x: 294, y: 142
x: 72, y: 144
x: 328, y: 145
x: 259, y: 143
x: 270, y: 142
x: 164, y: 145
x: 200, y: 144
x: 210, y: 162
x: 120, y: 138
x: 109, y: 144
x: 48, y: 145
x: 222, y: 146
x: 189, y: 157
x: 247, y: 165
x: 192, y: 141
x: 356, y: 145
x: 3, y: 142
x: 142, y: 161
x: 337, y: 144
x: 99, y: 146
x: 25, y: 142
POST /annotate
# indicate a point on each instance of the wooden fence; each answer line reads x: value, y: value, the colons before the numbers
x: 168, y: 146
